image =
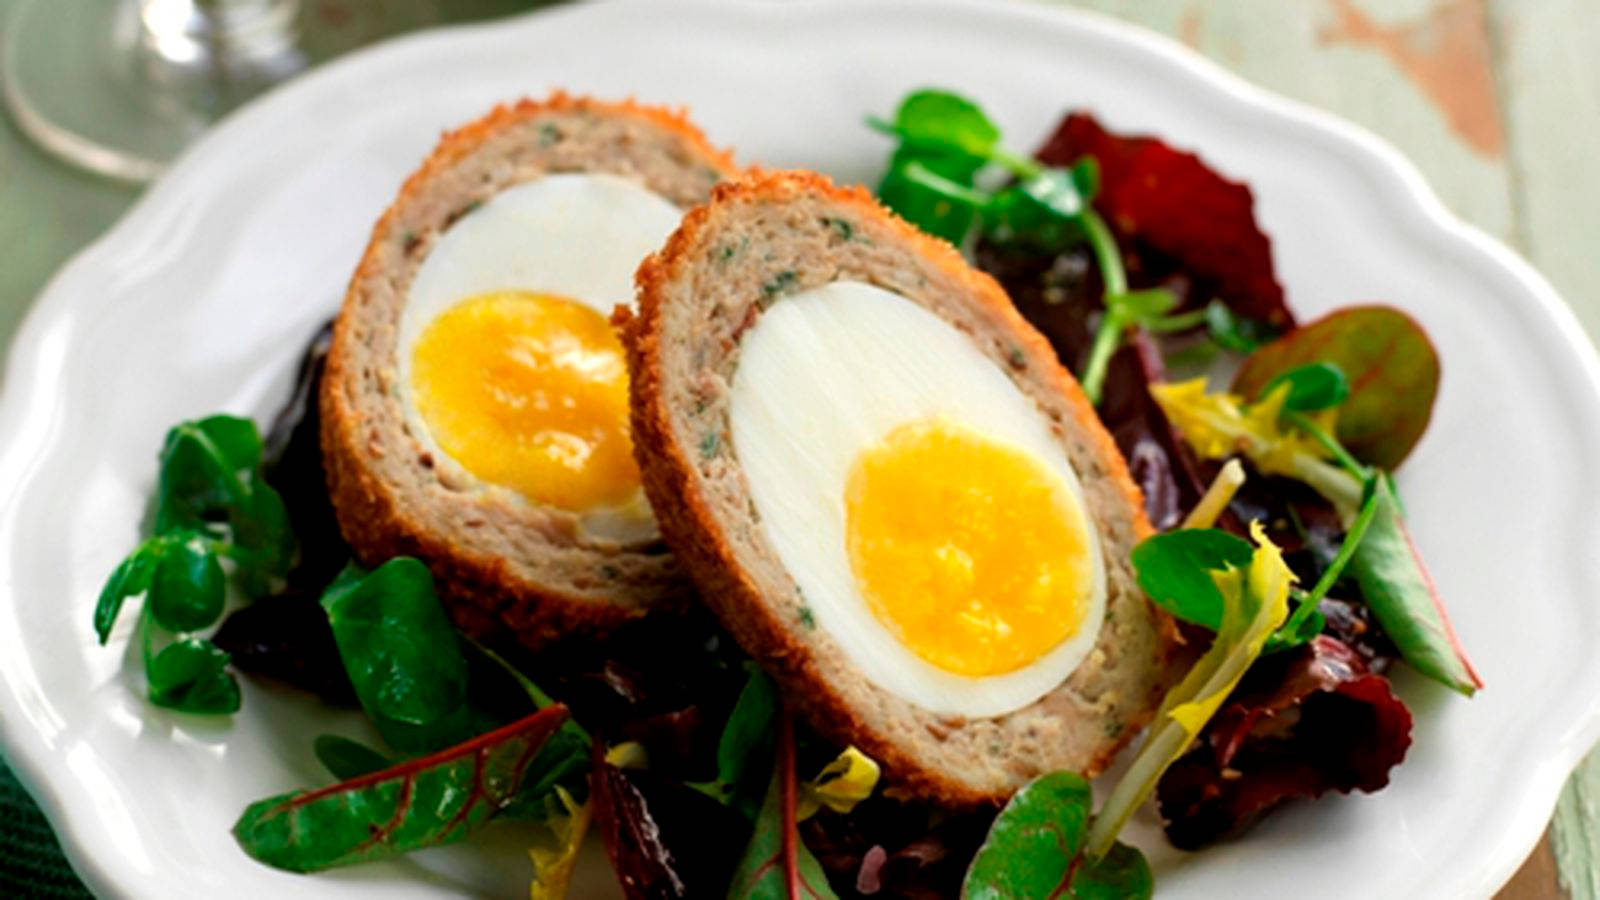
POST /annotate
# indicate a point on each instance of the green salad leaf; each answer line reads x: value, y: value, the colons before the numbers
x: 746, y: 745
x: 211, y: 506
x: 1174, y: 571
x: 776, y: 864
x: 1312, y: 387
x: 427, y: 802
x: 947, y: 142
x: 186, y: 588
x: 191, y: 675
x: 1402, y: 597
x: 401, y: 652
x: 1391, y: 365
x: 1035, y: 849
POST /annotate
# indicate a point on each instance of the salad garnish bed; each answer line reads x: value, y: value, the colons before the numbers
x: 1282, y: 550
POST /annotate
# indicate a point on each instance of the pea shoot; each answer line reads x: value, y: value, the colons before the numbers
x: 948, y: 146
x: 212, y: 507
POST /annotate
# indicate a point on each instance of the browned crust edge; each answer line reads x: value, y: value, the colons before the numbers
x: 367, y: 510
x: 690, y: 527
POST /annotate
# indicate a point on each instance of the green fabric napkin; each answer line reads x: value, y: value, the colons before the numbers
x: 31, y: 864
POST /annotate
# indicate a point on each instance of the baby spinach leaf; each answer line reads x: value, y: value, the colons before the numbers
x: 130, y: 578
x: 1122, y: 874
x: 191, y: 676
x: 776, y: 864
x: 438, y: 799
x: 1174, y: 570
x: 1401, y: 595
x: 1392, y: 369
x: 186, y: 590
x: 348, y: 759
x: 1035, y: 849
x: 1313, y: 386
x: 400, y: 651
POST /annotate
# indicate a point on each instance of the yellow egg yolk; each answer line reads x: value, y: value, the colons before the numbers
x: 529, y: 391
x: 970, y: 551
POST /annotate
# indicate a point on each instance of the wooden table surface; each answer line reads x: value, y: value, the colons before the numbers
x: 1497, y: 101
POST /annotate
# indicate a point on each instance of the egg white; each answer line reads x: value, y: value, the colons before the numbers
x: 830, y: 372
x: 579, y: 236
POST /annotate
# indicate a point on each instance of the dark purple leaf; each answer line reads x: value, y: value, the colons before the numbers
x: 664, y: 839
x: 288, y: 638
x: 1301, y: 724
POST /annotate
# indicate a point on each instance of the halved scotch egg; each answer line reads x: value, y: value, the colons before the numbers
x: 890, y: 492
x: 474, y: 405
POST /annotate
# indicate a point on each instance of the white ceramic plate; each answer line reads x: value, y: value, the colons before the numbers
x: 201, y: 297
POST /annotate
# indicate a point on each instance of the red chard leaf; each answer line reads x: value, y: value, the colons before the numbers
x: 437, y: 799
x: 1390, y: 363
x: 776, y: 864
x: 1301, y: 724
x: 1172, y: 202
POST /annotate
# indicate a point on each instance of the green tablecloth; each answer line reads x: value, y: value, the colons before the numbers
x: 31, y: 864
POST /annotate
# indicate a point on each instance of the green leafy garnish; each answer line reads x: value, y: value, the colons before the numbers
x: 211, y: 506
x: 1392, y: 368
x: 400, y: 650
x: 1255, y: 603
x: 946, y: 143
x: 1174, y: 571
x: 746, y: 745
x: 186, y: 588
x: 191, y: 675
x: 1312, y: 387
x: 1402, y: 597
x: 438, y: 799
x: 776, y: 864
x: 1035, y: 849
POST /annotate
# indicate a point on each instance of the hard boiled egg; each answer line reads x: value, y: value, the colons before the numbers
x: 509, y: 370
x: 919, y: 499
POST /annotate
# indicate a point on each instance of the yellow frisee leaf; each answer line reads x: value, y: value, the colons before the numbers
x: 1219, y: 424
x: 841, y: 784
x: 1255, y: 603
x: 555, y: 858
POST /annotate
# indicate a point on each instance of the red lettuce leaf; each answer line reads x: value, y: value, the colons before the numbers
x: 1172, y: 202
x: 1300, y: 725
x: 664, y: 839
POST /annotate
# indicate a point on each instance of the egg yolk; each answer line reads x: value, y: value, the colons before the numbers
x: 529, y: 391
x: 970, y: 551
